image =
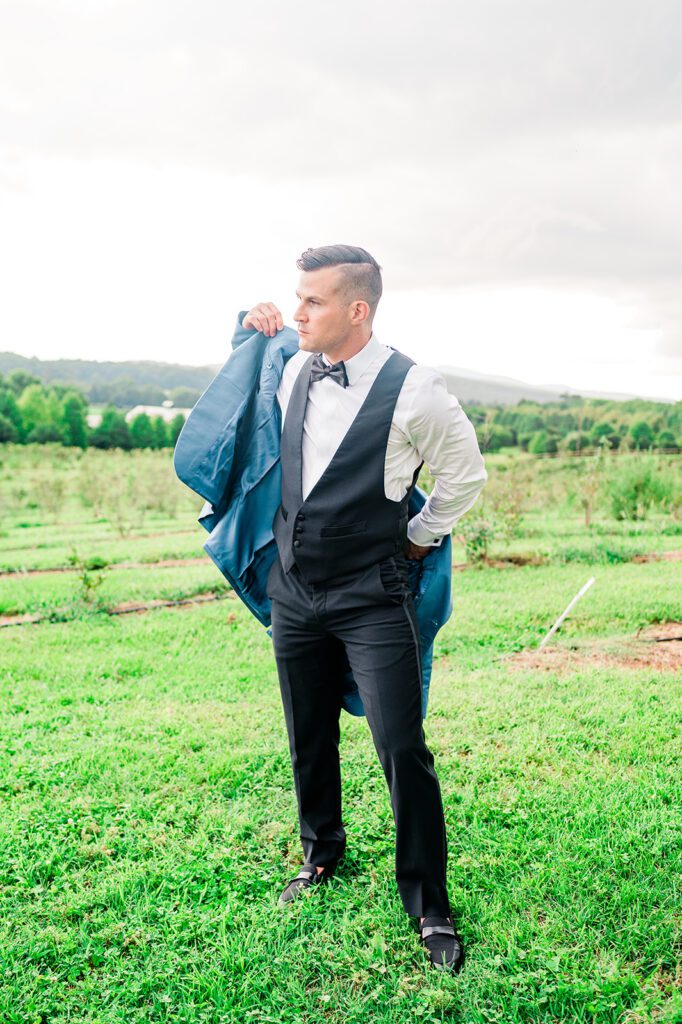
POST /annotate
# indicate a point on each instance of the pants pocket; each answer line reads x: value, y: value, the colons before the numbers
x: 393, y: 578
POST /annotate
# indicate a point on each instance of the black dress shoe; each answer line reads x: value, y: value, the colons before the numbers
x: 445, y: 947
x: 307, y: 876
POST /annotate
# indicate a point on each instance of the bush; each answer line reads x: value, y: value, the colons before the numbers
x: 477, y: 534
x: 542, y: 444
x: 638, y: 487
x: 598, y: 554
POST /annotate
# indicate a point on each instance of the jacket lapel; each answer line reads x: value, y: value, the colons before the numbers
x: 292, y: 432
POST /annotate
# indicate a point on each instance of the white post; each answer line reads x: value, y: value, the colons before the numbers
x: 583, y: 590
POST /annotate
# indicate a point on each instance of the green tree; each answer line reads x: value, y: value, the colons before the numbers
x: 10, y: 410
x: 160, y: 428
x: 8, y: 431
x: 666, y: 439
x: 112, y: 432
x: 642, y: 434
x: 46, y: 432
x: 73, y: 420
x: 34, y: 408
x: 142, y: 431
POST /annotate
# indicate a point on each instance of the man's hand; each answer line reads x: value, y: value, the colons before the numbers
x: 416, y: 551
x: 264, y: 317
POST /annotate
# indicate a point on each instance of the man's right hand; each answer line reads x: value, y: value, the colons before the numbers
x: 264, y: 317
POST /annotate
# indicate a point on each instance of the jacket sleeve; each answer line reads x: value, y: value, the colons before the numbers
x: 204, y: 452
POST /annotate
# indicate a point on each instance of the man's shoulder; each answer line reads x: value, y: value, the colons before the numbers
x: 420, y: 375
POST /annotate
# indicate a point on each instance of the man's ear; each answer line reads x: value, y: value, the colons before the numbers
x: 359, y: 312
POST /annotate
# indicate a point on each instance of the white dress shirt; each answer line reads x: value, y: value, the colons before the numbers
x: 428, y: 425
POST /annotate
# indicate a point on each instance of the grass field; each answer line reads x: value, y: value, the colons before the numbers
x: 147, y: 813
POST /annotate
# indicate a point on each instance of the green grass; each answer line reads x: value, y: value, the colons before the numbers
x: 148, y: 818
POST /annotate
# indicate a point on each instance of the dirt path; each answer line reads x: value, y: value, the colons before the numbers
x: 656, y: 648
x: 126, y: 608
x: 165, y: 563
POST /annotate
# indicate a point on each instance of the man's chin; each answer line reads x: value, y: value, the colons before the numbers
x: 306, y: 343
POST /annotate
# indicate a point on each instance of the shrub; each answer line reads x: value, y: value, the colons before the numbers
x: 542, y: 444
x: 477, y: 535
x: 638, y: 487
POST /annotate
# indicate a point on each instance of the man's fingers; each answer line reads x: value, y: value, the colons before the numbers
x: 275, y: 322
x: 265, y: 317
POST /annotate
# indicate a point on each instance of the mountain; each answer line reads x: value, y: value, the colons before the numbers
x: 484, y: 389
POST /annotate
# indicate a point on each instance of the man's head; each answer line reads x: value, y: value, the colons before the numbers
x: 339, y: 290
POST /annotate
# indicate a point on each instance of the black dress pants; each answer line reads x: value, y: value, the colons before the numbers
x: 369, y: 615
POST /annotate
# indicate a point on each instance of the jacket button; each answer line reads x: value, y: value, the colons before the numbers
x: 297, y: 543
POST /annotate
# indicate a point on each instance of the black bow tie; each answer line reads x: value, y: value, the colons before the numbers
x: 336, y: 372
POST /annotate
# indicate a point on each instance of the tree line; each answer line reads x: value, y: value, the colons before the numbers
x: 33, y: 413
x: 575, y: 424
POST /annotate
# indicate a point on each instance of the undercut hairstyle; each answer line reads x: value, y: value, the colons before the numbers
x: 360, y: 272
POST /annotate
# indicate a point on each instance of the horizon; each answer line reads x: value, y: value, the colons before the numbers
x: 443, y: 368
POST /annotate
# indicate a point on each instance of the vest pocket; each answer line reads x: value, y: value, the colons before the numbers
x: 345, y: 530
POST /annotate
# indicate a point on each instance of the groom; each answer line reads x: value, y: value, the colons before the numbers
x: 359, y: 419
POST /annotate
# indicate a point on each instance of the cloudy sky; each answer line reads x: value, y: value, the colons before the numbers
x: 514, y: 167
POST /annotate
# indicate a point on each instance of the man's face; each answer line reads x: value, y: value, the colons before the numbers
x: 323, y: 317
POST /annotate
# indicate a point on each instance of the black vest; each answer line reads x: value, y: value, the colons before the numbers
x: 346, y: 523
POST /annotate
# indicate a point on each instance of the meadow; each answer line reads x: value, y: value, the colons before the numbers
x: 147, y: 813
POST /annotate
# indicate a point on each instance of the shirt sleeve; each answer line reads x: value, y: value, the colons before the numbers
x: 444, y: 438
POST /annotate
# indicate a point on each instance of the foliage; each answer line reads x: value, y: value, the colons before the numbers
x: 112, y: 432
x: 8, y: 430
x: 542, y: 443
x: 638, y: 487
x: 642, y: 434
x: 478, y: 534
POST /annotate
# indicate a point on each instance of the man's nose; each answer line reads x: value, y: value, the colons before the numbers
x: 298, y: 315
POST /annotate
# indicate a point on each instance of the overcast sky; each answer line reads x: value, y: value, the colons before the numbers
x: 514, y: 167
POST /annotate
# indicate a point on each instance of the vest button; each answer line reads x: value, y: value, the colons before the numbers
x: 297, y: 543
x: 300, y: 517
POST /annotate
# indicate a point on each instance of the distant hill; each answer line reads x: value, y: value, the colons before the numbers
x: 96, y: 378
x: 483, y: 389
x: 87, y: 372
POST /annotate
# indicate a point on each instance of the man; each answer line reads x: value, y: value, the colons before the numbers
x: 359, y: 419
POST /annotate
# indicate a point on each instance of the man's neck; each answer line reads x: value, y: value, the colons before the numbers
x: 348, y: 348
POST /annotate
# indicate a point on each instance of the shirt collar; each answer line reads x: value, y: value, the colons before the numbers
x: 362, y: 360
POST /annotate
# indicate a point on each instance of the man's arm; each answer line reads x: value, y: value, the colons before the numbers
x: 445, y: 439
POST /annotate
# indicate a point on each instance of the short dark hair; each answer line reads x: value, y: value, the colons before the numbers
x: 361, y: 274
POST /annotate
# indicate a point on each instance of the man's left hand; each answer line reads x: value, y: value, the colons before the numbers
x: 415, y: 551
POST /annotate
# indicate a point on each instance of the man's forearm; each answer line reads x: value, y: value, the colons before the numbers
x: 445, y: 505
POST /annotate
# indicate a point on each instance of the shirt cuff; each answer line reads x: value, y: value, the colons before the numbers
x: 421, y: 536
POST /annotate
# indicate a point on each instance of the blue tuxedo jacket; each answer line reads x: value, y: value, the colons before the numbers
x: 228, y: 453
